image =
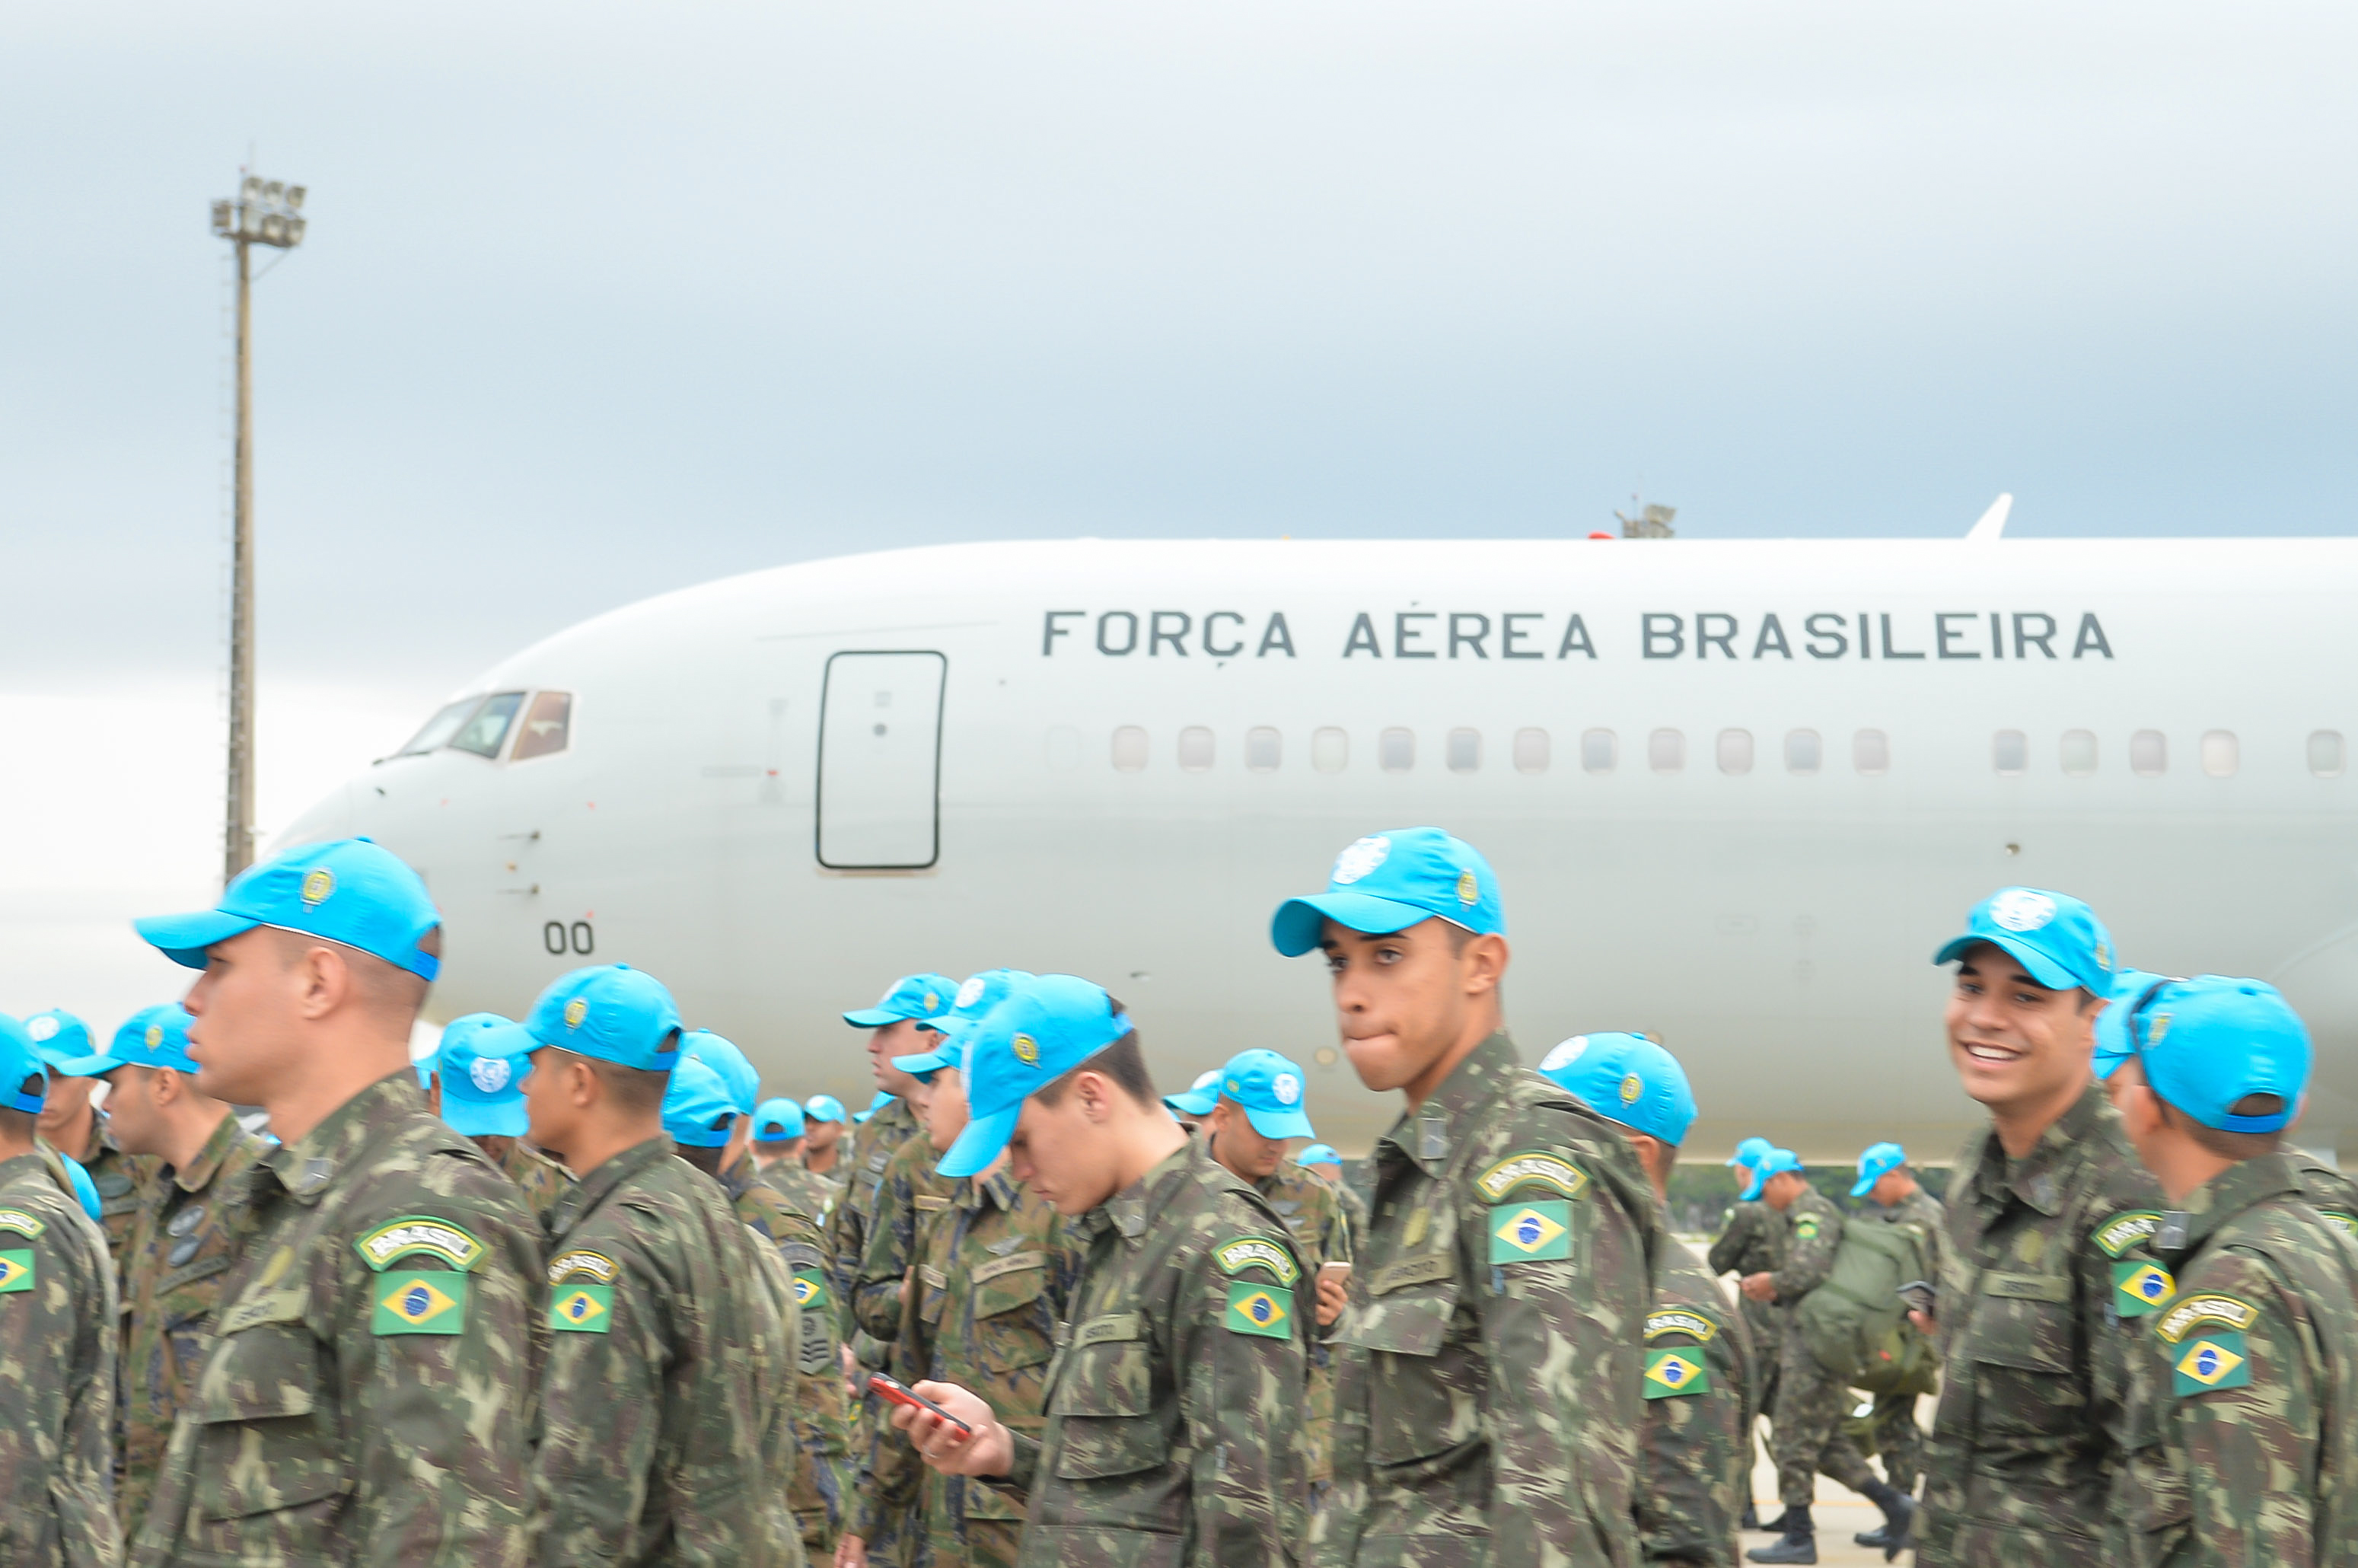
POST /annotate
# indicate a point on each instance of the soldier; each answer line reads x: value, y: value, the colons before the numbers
x: 824, y: 1122
x: 1811, y: 1404
x: 664, y: 1431
x: 2048, y: 1273
x: 2246, y: 1395
x: 1175, y: 1410
x: 475, y: 1089
x: 367, y: 1389
x: 1321, y: 1161
x: 57, y: 1343
x: 893, y: 1030
x: 183, y: 1243
x: 1488, y: 1369
x: 780, y: 1137
x: 1192, y: 1105
x: 72, y: 1124
x: 1753, y: 1243
x: 1694, y: 1462
x: 1896, y: 1198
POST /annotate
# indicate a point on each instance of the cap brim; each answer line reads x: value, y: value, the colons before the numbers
x: 505, y: 1039
x: 870, y: 1018
x: 1300, y: 922
x: 930, y: 1061
x: 2043, y: 969
x: 96, y: 1066
x: 183, y: 938
x: 1752, y: 1193
x: 1859, y: 1188
x: 474, y: 1118
x: 1281, y: 1123
x: 2107, y: 1063
x: 980, y: 1144
x: 1192, y: 1102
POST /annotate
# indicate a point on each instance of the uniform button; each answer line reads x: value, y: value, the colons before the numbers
x: 188, y: 1219
x: 184, y: 1250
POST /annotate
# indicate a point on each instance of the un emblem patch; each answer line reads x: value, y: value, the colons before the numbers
x: 317, y: 886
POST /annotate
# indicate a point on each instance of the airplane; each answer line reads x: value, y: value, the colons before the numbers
x: 1736, y: 793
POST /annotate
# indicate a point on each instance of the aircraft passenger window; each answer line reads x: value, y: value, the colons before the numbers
x: 1530, y: 751
x: 2148, y: 754
x: 1598, y: 752
x: 2079, y: 753
x: 1064, y: 748
x: 2219, y: 753
x: 1128, y: 748
x: 1666, y: 750
x: 1330, y: 749
x: 1396, y: 750
x: 1263, y: 749
x: 1870, y: 751
x: 548, y: 726
x: 440, y: 728
x: 2010, y: 751
x: 1736, y: 751
x: 1465, y: 750
x: 2325, y: 753
x: 1804, y: 752
x: 483, y: 732
x: 1194, y: 750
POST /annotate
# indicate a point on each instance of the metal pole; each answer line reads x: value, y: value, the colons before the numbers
x: 237, y: 846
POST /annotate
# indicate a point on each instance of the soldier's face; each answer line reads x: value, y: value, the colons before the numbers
x: 824, y: 1136
x: 1066, y: 1152
x: 2013, y: 1041
x: 550, y: 1107
x: 1403, y: 999
x: 68, y: 1099
x: 1237, y: 1146
x: 131, y: 1108
x: 901, y: 1037
x: 250, y: 1005
x: 945, y: 1110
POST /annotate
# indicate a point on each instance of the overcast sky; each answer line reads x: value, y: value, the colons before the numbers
x: 604, y: 299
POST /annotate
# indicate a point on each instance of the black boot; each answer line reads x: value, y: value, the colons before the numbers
x: 1751, y: 1520
x: 1798, y: 1544
x: 1898, y: 1532
x: 1775, y: 1526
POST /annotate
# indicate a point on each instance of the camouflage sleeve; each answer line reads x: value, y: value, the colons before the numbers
x: 602, y: 1406
x: 1808, y: 1254
x: 1334, y: 1227
x: 1693, y: 1446
x: 1726, y: 1252
x: 891, y: 1248
x: 1241, y: 1346
x: 821, y: 1417
x: 895, y: 1474
x: 56, y: 1329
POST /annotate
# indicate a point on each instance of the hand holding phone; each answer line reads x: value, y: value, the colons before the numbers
x: 1922, y: 1296
x: 900, y: 1393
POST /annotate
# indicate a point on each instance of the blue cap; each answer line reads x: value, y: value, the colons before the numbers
x: 1267, y: 1089
x: 1198, y: 1098
x: 1391, y: 880
x: 976, y: 998
x: 1750, y: 1152
x: 697, y: 1108
x: 1036, y: 1036
x: 911, y: 996
x: 879, y: 1103
x: 352, y: 892
x: 1776, y: 1162
x: 612, y: 1011
x: 482, y: 1062
x: 20, y: 1063
x: 1626, y: 1078
x: 154, y: 1037
x: 63, y: 1042
x: 744, y: 1080
x: 1880, y: 1160
x: 85, y: 1190
x: 2112, y: 1027
x: 824, y: 1107
x: 777, y: 1121
x: 1318, y: 1154
x: 2052, y: 935
x: 2208, y: 1042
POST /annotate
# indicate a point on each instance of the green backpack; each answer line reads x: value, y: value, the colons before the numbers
x: 1856, y: 1326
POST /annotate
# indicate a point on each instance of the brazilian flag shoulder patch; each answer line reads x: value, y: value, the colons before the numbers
x: 418, y: 1301
x: 1673, y: 1373
x: 15, y: 1269
x: 584, y: 1308
x: 1530, y: 1232
x: 2209, y: 1361
x: 1265, y: 1310
x: 810, y: 1289
x: 1805, y: 1228
x: 2140, y: 1289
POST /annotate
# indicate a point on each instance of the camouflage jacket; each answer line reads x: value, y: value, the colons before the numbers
x: 1754, y: 1243
x: 2247, y: 1394
x: 2046, y: 1272
x: 56, y: 1360
x: 125, y: 1183
x: 367, y: 1389
x: 670, y: 1369
x: 1814, y: 1228
x: 1314, y: 1215
x: 540, y: 1179
x: 909, y: 1192
x: 1694, y: 1459
x: 1355, y: 1214
x: 2329, y: 1192
x: 1922, y: 1210
x: 185, y: 1242
x: 815, y: 1196
x: 1487, y: 1375
x: 854, y: 1214
x: 1174, y: 1405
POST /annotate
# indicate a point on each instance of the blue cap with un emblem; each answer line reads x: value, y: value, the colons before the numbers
x: 613, y: 1012
x: 1749, y: 1152
x: 2052, y: 935
x: 724, y: 1058
x: 154, y: 1036
x: 1036, y: 1036
x: 2209, y: 1042
x: 1318, y: 1154
x: 482, y: 1071
x: 1880, y: 1160
x: 697, y: 1108
x: 976, y: 996
x: 63, y: 1042
x: 2111, y: 1026
x: 1267, y: 1089
x: 1393, y: 880
x: 777, y: 1121
x: 1776, y: 1162
x: 350, y: 892
x: 879, y: 1103
x: 911, y: 996
x: 1626, y: 1078
x: 825, y: 1107
x: 23, y: 1076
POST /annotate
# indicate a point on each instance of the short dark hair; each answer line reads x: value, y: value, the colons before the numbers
x: 635, y: 1090
x: 705, y: 1160
x: 1123, y: 1061
x: 2238, y: 1146
x: 17, y: 1123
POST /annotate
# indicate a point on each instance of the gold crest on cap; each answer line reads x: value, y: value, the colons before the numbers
x: 155, y: 1035
x: 317, y: 885
x: 1026, y: 1049
x: 1470, y: 891
x: 575, y: 1011
x: 1631, y: 1087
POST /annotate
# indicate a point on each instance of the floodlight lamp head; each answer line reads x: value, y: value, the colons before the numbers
x: 294, y: 227
x: 273, y: 230
x: 274, y: 191
x: 295, y: 198
x: 251, y: 190
x: 222, y: 220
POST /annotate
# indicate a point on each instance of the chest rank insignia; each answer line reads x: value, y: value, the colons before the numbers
x: 2141, y: 1289
x: 1265, y: 1310
x: 413, y: 1300
x: 581, y: 1309
x: 1671, y: 1373
x: 17, y: 1269
x: 810, y: 1289
x: 1530, y: 1232
x: 2215, y: 1360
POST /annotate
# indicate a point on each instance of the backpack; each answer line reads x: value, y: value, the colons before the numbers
x: 1856, y: 1326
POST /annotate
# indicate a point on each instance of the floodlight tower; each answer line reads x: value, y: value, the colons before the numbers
x: 266, y: 212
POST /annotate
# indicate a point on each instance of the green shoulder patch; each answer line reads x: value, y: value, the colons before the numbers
x: 1265, y: 1310
x: 15, y: 1269
x: 1249, y: 1251
x: 1532, y: 1167
x: 582, y: 1309
x: 593, y: 1266
x: 1532, y: 1232
x: 2123, y: 1231
x: 810, y: 1289
x: 23, y: 1224
x: 417, y: 1233
x: 2183, y: 1317
x: 2141, y: 1289
x: 2211, y: 1361
x: 1671, y: 1374
x: 2345, y: 1223
x: 1681, y: 1320
x: 1805, y: 1228
x: 420, y: 1301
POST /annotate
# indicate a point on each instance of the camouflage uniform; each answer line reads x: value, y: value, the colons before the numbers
x: 867, y: 1149
x: 814, y: 1196
x: 1754, y: 1243
x: 1810, y: 1402
x: 1898, y: 1439
x: 2045, y: 1257
x: 1355, y: 1213
x: 995, y: 1277
x: 910, y: 1195
x: 125, y: 1183
x: 1694, y: 1459
x: 172, y: 1274
x: 664, y: 1415
x: 367, y: 1389
x: 541, y: 1179
x: 1486, y: 1369
x: 1313, y: 1216
x: 56, y: 1362
x: 2329, y: 1192
x: 1174, y: 1406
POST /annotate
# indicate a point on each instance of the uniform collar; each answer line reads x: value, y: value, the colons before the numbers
x: 2038, y: 1177
x: 1426, y: 1135
x: 994, y: 1189
x: 2241, y: 1186
x: 17, y: 1166
x: 201, y: 1171
x: 738, y: 1178
x: 584, y: 1196
x: 1125, y: 1213
x: 307, y: 1167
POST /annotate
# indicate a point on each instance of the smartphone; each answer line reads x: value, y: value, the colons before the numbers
x: 1921, y: 1295
x: 1334, y: 1272
x: 900, y: 1393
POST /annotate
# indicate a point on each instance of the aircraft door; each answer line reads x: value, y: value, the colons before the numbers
x: 880, y: 743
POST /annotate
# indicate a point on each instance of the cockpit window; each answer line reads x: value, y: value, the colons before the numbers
x: 488, y: 725
x: 440, y: 728
x: 547, y: 725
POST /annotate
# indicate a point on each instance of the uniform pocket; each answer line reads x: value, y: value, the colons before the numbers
x: 1422, y: 1392
x: 2021, y: 1346
x: 270, y: 1470
x: 1106, y: 1401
